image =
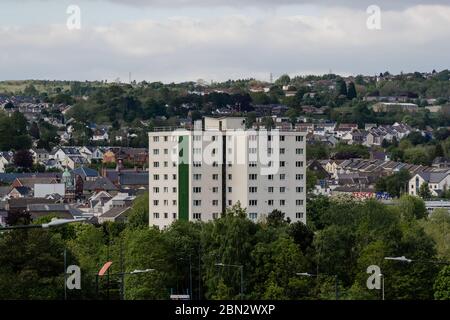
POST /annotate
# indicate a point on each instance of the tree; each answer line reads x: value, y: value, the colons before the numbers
x: 341, y: 87
x: 424, y: 191
x: 23, y: 159
x: 275, y: 218
x: 442, y: 285
x: 31, y: 265
x: 284, y: 80
x: 138, y: 215
x: 351, y: 94
x: 34, y: 131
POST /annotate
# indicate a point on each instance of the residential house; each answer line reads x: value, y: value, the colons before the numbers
x: 40, y: 155
x: 437, y: 182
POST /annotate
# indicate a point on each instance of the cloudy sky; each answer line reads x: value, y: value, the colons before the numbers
x: 179, y: 40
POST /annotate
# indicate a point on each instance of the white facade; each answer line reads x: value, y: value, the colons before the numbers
x: 212, y: 180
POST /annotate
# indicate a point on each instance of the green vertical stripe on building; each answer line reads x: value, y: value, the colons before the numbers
x: 183, y: 178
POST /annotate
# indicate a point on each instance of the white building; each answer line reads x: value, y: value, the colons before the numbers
x: 197, y: 174
x: 437, y: 182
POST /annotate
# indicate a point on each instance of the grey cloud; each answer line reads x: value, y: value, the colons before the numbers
x: 388, y: 4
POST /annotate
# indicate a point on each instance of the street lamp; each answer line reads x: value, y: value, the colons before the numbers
x: 336, y: 281
x: 402, y: 259
x: 382, y: 285
x: 54, y: 223
x: 190, y: 275
x: 241, y: 268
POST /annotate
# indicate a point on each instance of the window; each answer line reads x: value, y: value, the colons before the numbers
x: 299, y: 202
x: 282, y: 138
x: 155, y: 164
x: 174, y: 164
x: 282, y: 164
x: 230, y: 189
x: 299, y: 215
x: 174, y: 190
x: 197, y: 176
x: 270, y: 189
x: 270, y: 202
x: 270, y: 177
x: 155, y: 152
x: 174, y: 202
x: 282, y: 202
x: 299, y: 189
x: 299, y: 177
x: 166, y: 190
x: 197, y: 216
x: 174, y: 177
x: 166, y: 177
x: 155, y: 215
x: 252, y: 164
x: 252, y: 150
x: 282, y: 150
x: 230, y: 177
x: 215, y: 215
x: 282, y: 189
x: 215, y: 189
x: 197, y: 151
x: 197, y: 203
x: 252, y: 189
x: 197, y: 138
x: 197, y: 164
x: 253, y: 215
x: 230, y: 203
x: 155, y: 139
x: 166, y: 164
x: 282, y: 176
x: 253, y: 203
x: 197, y: 189
x: 155, y: 190
x: 166, y: 215
x: 174, y: 215
x: 215, y: 164
x: 299, y: 164
x: 299, y: 151
x: 156, y: 177
x: 166, y: 138
x: 252, y: 176
x: 215, y: 203
x: 215, y: 176
x: 299, y: 138
x: 155, y: 202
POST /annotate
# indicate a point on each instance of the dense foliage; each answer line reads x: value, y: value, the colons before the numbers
x: 342, y: 238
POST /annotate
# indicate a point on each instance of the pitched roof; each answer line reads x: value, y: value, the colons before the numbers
x: 85, y: 172
x: 101, y: 183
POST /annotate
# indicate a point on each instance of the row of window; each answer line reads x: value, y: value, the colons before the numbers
x: 166, y: 202
x: 165, y: 177
x: 156, y: 215
x: 198, y: 216
x: 253, y: 203
x: 254, y: 176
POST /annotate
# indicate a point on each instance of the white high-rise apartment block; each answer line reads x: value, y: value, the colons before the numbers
x: 196, y: 174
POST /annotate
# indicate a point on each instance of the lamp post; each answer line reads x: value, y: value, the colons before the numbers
x: 404, y: 259
x: 382, y: 286
x: 52, y: 224
x: 122, y: 282
x: 190, y: 275
x: 336, y: 280
x: 241, y: 268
